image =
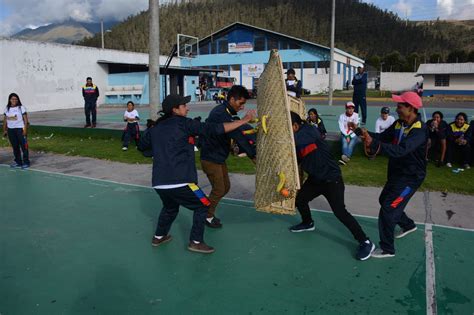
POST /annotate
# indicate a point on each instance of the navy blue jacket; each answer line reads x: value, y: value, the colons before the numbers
x: 360, y: 83
x: 216, y: 148
x: 297, y: 87
x: 172, y: 143
x: 406, y: 156
x: 314, y: 155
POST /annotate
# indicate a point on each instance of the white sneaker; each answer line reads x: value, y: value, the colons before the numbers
x: 342, y: 162
x: 379, y: 253
x: 403, y: 233
x: 449, y: 165
x: 124, y: 149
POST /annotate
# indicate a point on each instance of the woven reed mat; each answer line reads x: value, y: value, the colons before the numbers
x: 275, y: 149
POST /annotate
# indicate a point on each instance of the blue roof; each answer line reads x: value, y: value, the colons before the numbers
x: 244, y: 25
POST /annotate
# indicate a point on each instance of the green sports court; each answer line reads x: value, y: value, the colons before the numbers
x: 73, y: 245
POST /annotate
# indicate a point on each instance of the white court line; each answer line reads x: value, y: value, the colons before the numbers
x: 431, y: 307
x: 226, y: 198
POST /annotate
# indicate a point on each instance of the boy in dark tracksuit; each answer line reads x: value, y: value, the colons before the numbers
x: 90, y: 92
x: 359, y: 97
x: 174, y: 170
x: 325, y: 179
x: 405, y: 145
x: 215, y: 149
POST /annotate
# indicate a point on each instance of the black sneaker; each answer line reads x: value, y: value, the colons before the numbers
x: 364, y: 250
x: 157, y: 242
x: 215, y: 223
x: 380, y: 253
x: 303, y: 227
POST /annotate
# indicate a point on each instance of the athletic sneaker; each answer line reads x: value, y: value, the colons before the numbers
x: 303, y: 227
x: 380, y: 253
x: 15, y: 165
x: 342, y: 162
x: 124, y: 148
x: 215, y: 223
x: 25, y: 166
x: 87, y: 126
x: 466, y: 166
x: 157, y: 242
x: 403, y: 233
x: 94, y: 125
x: 449, y: 165
x: 200, y: 248
x: 345, y: 158
x: 364, y: 250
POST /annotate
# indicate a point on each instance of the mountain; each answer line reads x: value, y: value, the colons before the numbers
x: 65, y: 33
x: 361, y: 28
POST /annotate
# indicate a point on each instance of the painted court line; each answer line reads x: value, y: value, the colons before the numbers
x: 431, y: 306
x: 225, y: 198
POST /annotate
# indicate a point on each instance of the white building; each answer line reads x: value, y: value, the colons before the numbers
x: 447, y: 78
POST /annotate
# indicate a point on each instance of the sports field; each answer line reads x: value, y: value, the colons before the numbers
x: 73, y: 245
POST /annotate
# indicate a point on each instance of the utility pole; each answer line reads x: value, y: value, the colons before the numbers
x: 154, y: 58
x: 331, y: 65
x: 102, y: 32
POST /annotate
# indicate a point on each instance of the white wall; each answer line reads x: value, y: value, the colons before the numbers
x: 456, y: 82
x: 399, y: 81
x: 49, y: 76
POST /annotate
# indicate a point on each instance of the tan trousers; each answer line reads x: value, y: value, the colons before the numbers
x: 218, y: 176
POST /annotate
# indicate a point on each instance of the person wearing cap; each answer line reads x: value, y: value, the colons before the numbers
x: 293, y: 85
x: 384, y: 121
x: 459, y: 138
x: 359, y: 96
x: 90, y: 93
x: 174, y: 175
x: 348, y: 138
x: 405, y: 145
x: 215, y: 149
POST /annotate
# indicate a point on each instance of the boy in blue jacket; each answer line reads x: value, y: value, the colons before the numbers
x: 324, y: 178
x: 174, y: 171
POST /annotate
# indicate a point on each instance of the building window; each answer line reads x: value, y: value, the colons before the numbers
x: 283, y: 45
x: 259, y: 44
x: 272, y: 43
x: 441, y: 79
x: 323, y: 64
x: 295, y: 65
x: 213, y: 48
x: 309, y: 64
x: 293, y: 45
x: 204, y: 49
x: 223, y: 46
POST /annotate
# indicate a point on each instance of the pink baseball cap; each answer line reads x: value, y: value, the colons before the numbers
x: 410, y: 98
x: 350, y: 104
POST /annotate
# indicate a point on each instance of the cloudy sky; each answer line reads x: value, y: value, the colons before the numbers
x: 16, y: 15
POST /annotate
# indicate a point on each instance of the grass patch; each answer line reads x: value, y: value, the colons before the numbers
x: 106, y: 144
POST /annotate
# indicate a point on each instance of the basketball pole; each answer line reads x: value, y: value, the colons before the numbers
x: 331, y: 65
x: 154, y: 58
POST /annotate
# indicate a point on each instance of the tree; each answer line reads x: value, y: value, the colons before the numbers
x: 457, y: 56
x: 374, y: 61
x: 393, y: 62
x: 436, y: 58
x: 470, y: 57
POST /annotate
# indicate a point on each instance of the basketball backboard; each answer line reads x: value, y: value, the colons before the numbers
x: 187, y: 46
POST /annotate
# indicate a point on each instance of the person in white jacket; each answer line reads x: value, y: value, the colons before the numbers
x: 348, y: 138
x: 384, y: 121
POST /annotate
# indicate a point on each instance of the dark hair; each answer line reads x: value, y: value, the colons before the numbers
x: 296, y: 119
x: 439, y: 113
x: 463, y: 115
x: 88, y: 78
x: 9, y: 97
x: 130, y: 102
x: 237, y: 92
x: 314, y: 111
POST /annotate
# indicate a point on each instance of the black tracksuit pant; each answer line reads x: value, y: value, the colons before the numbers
x: 189, y: 196
x: 131, y: 131
x: 334, y: 193
x: 90, y: 109
x: 19, y: 144
x: 393, y: 199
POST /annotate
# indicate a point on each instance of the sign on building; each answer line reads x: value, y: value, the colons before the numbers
x: 240, y: 41
x: 253, y: 70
